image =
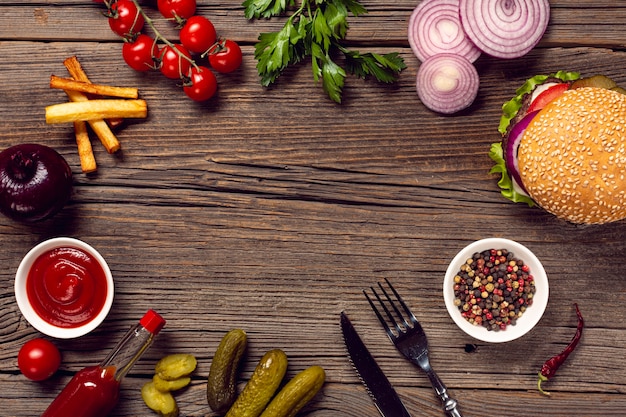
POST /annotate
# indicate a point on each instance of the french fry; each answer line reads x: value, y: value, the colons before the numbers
x: 100, y: 127
x: 86, y: 106
x: 76, y: 72
x: 85, y: 152
x: 87, y: 87
x: 95, y: 110
x: 75, y: 69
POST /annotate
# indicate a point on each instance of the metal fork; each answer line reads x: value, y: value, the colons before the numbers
x: 410, y: 339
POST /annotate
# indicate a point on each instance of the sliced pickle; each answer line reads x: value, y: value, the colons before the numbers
x: 601, y: 81
x: 619, y: 89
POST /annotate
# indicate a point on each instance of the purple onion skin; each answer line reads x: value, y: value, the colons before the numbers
x: 513, y: 141
x: 35, y: 182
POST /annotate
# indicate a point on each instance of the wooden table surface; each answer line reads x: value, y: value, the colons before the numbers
x: 272, y: 209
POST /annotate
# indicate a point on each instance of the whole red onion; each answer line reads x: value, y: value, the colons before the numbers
x: 35, y: 182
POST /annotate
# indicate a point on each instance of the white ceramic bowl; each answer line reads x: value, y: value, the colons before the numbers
x: 26, y: 308
x: 533, y: 313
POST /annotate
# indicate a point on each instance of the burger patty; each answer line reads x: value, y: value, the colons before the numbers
x: 525, y: 104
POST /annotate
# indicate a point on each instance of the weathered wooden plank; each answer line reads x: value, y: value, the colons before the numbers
x: 271, y: 210
x: 570, y: 25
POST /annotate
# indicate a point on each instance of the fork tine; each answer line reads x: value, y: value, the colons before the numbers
x: 390, y: 315
x: 399, y: 314
x: 403, y: 304
x: 382, y: 320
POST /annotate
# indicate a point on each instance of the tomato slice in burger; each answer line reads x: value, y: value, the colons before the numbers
x: 547, y: 96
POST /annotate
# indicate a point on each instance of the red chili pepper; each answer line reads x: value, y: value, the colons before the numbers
x: 550, y: 367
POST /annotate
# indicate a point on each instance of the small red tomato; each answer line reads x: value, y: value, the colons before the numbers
x: 171, y: 9
x: 547, y: 96
x: 198, y: 34
x: 140, y: 54
x: 174, y: 64
x: 202, y: 84
x: 125, y: 19
x: 226, y: 57
x: 38, y: 359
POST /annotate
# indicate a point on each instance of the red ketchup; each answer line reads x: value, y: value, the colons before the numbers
x: 67, y: 287
x: 94, y: 391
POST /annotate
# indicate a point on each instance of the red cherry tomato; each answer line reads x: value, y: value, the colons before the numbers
x: 198, y: 34
x: 202, y: 84
x: 38, y: 359
x: 140, y: 54
x: 226, y: 57
x: 125, y: 18
x: 171, y: 9
x: 173, y: 65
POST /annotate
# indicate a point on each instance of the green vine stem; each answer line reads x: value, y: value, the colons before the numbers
x: 157, y: 35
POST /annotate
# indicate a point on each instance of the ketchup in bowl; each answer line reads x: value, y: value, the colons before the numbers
x: 64, y: 288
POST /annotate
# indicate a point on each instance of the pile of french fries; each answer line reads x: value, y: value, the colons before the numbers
x: 102, y: 107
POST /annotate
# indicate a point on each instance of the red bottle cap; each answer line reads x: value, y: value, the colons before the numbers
x: 152, y: 321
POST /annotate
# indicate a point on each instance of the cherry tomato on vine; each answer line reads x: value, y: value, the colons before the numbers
x: 38, y: 359
x: 125, y: 19
x: 202, y: 84
x: 198, y: 34
x: 173, y: 65
x: 226, y: 57
x: 183, y: 9
x: 140, y: 54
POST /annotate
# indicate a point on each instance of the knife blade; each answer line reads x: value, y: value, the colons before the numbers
x: 376, y: 383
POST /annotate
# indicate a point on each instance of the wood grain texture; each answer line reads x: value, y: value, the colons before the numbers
x: 271, y: 209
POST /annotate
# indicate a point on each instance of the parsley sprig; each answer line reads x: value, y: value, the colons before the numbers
x: 316, y: 29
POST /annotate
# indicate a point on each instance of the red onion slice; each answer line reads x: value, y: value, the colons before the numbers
x: 505, y: 28
x: 510, y: 153
x: 447, y: 83
x: 435, y: 28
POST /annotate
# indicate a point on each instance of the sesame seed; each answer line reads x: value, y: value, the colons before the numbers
x: 580, y: 133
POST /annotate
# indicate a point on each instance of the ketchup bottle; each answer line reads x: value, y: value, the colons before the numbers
x: 94, y: 391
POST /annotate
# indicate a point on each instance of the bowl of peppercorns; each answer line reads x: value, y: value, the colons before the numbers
x: 495, y: 290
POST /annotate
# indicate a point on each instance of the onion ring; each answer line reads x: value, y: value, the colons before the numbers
x: 435, y: 27
x: 447, y: 83
x: 505, y: 28
x: 510, y: 152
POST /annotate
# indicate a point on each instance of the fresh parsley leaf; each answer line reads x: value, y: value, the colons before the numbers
x: 272, y: 50
x: 316, y: 29
x: 333, y: 77
x: 276, y: 50
x: 322, y: 32
x: 318, y: 58
x: 265, y: 8
x: 384, y: 68
x: 354, y: 6
x: 336, y: 16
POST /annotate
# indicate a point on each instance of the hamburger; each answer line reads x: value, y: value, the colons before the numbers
x: 563, y: 147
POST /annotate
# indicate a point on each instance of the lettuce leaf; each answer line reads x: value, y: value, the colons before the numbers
x: 496, y: 153
x: 511, y: 107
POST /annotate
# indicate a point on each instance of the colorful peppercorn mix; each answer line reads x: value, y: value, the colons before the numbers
x: 493, y: 289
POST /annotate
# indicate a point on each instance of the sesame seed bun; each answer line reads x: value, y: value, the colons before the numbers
x: 572, y: 156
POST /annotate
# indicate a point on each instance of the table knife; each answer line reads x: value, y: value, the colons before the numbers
x: 376, y: 383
